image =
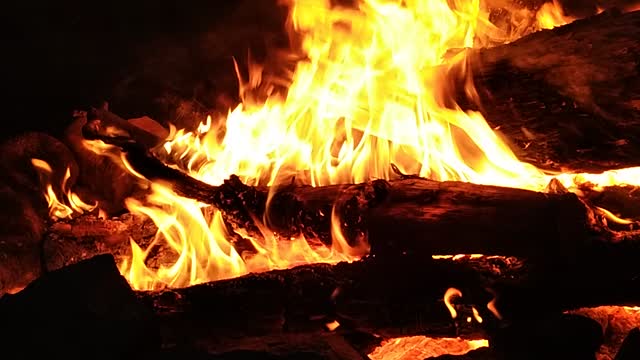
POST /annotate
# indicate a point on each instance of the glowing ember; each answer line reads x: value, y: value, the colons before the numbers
x: 459, y: 257
x: 616, y: 323
x: 70, y: 204
x: 365, y: 97
x: 422, y: 347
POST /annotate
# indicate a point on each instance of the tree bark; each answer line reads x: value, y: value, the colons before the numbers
x: 565, y: 99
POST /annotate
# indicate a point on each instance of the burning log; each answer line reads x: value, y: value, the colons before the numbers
x: 567, y: 98
x: 410, y: 215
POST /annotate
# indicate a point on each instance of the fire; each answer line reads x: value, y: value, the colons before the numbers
x: 448, y: 296
x: 70, y: 204
x: 368, y: 95
x: 552, y: 15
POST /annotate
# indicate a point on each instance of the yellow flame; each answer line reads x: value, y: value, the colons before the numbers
x: 367, y: 95
x: 70, y: 204
x: 612, y: 217
x: 448, y: 296
x: 476, y: 315
x: 552, y: 15
x: 199, y: 244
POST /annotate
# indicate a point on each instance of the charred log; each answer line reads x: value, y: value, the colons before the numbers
x: 389, y: 299
x: 93, y: 300
x: 369, y: 300
x: 567, y: 98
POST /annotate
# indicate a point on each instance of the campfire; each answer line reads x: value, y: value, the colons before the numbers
x: 407, y: 180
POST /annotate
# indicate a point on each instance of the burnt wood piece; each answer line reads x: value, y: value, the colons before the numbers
x: 563, y: 336
x: 147, y: 138
x: 411, y: 215
x: 87, y: 310
x: 70, y: 241
x: 630, y: 347
x: 616, y: 322
x: 566, y: 98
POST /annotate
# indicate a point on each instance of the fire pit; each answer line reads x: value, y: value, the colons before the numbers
x: 405, y: 180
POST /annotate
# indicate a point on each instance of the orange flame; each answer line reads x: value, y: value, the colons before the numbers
x: 552, y: 15
x: 366, y: 96
x: 448, y: 296
x: 71, y: 203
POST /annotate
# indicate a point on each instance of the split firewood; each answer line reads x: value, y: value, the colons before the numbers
x: 567, y: 98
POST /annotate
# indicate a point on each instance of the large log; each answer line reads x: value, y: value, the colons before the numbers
x: 408, y: 215
x: 567, y: 98
x: 388, y: 299
x: 402, y: 297
x: 370, y: 300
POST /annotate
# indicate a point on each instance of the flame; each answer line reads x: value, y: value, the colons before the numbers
x: 476, y: 315
x: 448, y: 296
x: 367, y: 95
x: 70, y: 204
x: 552, y: 15
x: 460, y: 257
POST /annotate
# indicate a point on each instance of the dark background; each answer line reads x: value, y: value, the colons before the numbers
x: 166, y: 59
x: 142, y: 56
